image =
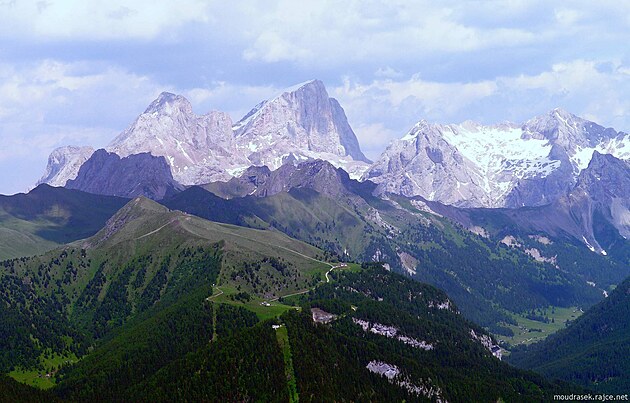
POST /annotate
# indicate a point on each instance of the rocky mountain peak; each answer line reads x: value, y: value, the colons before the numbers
x: 64, y: 163
x: 168, y: 103
x: 502, y: 165
x: 300, y: 123
x: 302, y: 120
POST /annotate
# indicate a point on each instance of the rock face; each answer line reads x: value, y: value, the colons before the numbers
x: 596, y: 211
x: 299, y: 124
x: 136, y: 175
x: 64, y: 164
x: 602, y: 194
x: 197, y: 148
x: 505, y: 165
x: 317, y: 175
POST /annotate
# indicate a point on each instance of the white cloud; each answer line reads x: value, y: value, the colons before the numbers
x: 325, y: 32
x: 372, y: 138
x: 581, y: 86
x: 567, y: 16
x: 88, y: 20
x: 78, y: 93
x: 386, y: 109
x: 399, y: 104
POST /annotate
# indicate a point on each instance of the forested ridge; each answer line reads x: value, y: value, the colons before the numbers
x: 592, y: 351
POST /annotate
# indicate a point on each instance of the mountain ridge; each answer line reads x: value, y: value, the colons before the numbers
x: 298, y: 124
x: 136, y: 174
x: 503, y: 165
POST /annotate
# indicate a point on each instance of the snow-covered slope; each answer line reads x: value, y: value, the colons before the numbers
x: 504, y: 165
x: 298, y: 124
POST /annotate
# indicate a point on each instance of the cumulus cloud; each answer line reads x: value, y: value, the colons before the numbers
x: 595, y: 90
x: 324, y: 32
x: 142, y: 19
x: 50, y: 104
x: 54, y: 92
x: 235, y: 99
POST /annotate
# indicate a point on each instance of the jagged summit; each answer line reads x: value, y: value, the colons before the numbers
x: 64, y: 164
x: 302, y: 119
x: 245, y: 119
x: 298, y: 124
x: 502, y: 165
x: 168, y: 102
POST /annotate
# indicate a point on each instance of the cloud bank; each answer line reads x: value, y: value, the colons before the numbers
x: 75, y: 72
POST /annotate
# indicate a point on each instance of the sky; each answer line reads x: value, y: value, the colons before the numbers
x: 77, y: 72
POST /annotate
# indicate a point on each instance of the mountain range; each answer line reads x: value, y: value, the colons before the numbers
x: 191, y: 243
x: 298, y: 124
x: 504, y: 165
x: 159, y: 303
x: 465, y: 165
x: 535, y: 164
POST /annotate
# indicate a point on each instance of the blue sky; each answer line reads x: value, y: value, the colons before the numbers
x: 78, y: 72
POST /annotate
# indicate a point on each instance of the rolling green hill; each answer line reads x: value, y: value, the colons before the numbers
x: 433, y: 352
x: 47, y: 217
x: 491, y: 282
x: 64, y: 301
x: 160, y: 304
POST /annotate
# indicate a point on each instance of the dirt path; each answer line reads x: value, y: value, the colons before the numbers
x: 224, y: 231
x: 156, y: 230
x: 215, y: 295
x: 290, y: 295
x: 333, y: 267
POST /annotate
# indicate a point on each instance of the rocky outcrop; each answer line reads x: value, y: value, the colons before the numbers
x: 64, y: 164
x: 320, y: 176
x: 136, y: 175
x: 198, y: 149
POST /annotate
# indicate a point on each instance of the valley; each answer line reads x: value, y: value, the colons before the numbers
x: 194, y: 258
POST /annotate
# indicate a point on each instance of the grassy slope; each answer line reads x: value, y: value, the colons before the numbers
x: 145, y: 255
x: 33, y: 223
x: 484, y: 277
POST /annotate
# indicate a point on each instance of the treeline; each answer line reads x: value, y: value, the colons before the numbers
x: 141, y: 348
x: 592, y: 351
x: 331, y: 359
